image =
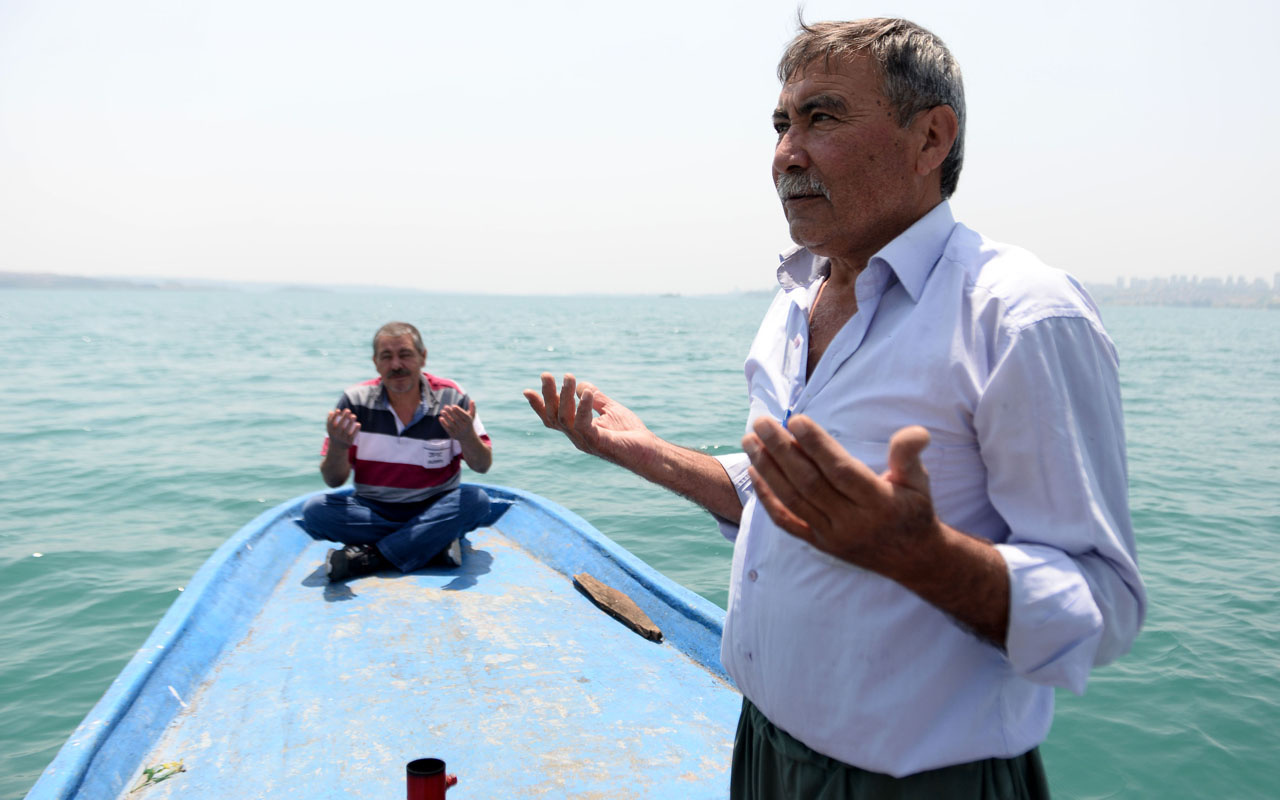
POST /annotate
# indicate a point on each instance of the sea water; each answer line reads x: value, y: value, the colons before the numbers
x: 142, y: 428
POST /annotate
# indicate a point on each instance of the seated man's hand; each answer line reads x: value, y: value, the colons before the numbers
x: 342, y: 427
x: 458, y: 422
x: 616, y: 435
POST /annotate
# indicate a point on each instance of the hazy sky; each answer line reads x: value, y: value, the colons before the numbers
x: 567, y: 146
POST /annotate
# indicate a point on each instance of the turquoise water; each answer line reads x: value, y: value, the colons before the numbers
x: 143, y: 428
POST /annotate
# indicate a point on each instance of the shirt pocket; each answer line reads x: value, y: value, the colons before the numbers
x: 436, y: 453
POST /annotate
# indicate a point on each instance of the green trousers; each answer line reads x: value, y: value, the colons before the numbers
x: 770, y: 764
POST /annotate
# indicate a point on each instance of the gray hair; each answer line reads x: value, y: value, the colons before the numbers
x: 917, y: 70
x: 394, y: 329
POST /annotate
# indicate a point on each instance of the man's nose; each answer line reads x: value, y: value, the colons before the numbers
x: 790, y: 154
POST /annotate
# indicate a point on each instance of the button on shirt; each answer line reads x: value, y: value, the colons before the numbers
x: 1006, y: 363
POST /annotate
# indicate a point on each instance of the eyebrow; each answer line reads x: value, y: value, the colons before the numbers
x: 824, y: 101
x: 829, y: 102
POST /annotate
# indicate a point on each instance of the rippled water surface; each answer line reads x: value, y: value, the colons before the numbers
x: 144, y: 428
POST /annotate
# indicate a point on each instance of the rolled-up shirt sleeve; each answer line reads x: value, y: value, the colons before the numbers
x: 735, y: 466
x: 1052, y: 438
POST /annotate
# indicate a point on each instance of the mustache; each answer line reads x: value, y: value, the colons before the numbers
x: 800, y: 184
x: 399, y: 373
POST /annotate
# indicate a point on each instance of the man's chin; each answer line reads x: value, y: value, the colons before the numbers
x: 806, y: 236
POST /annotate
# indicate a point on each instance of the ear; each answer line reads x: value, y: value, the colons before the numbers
x: 938, y: 126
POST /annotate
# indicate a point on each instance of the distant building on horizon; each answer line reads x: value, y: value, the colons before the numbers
x: 1229, y: 291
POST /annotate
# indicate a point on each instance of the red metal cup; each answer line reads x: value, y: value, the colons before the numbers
x: 426, y: 779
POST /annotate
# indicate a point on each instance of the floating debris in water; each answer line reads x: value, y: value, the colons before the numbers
x: 160, y: 772
x: 37, y: 555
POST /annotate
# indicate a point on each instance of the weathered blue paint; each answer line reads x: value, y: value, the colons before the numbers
x: 266, y: 681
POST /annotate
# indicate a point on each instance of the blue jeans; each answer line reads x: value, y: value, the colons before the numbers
x: 408, y: 534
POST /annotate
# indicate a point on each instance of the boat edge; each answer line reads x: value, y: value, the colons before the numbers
x: 66, y: 773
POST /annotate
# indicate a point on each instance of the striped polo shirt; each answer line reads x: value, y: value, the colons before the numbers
x: 398, y: 463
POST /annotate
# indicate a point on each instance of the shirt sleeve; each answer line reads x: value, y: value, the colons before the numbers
x: 1052, y: 438
x: 735, y: 466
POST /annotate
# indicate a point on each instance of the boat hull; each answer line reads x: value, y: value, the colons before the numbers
x: 265, y: 680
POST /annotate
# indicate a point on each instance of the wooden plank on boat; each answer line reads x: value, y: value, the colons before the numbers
x: 617, y: 605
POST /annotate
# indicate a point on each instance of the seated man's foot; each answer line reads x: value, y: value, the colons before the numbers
x: 353, y: 561
x: 451, y: 556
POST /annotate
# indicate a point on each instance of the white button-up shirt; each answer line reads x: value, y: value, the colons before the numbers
x: 1006, y: 363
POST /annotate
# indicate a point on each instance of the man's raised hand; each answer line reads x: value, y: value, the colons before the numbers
x: 342, y: 427
x: 813, y: 489
x: 458, y: 422
x: 594, y: 422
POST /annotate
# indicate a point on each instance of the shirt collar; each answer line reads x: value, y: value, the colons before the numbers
x: 910, y: 256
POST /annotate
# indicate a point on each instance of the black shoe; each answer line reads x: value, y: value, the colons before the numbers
x: 452, y: 554
x: 449, y: 557
x: 353, y: 561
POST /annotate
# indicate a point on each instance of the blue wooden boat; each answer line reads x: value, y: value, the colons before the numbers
x: 264, y: 680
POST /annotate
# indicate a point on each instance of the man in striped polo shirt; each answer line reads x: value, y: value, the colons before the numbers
x: 404, y: 434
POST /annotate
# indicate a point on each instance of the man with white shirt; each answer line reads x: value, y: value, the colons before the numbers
x: 404, y: 435
x: 930, y: 521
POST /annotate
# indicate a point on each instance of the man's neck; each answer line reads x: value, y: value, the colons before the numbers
x: 405, y: 404
x: 847, y: 265
x: 843, y: 272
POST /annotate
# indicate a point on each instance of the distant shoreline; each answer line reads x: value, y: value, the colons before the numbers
x: 1156, y: 292
x: 46, y: 280
x: 1181, y: 292
x: 1246, y: 305
x: 49, y: 280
